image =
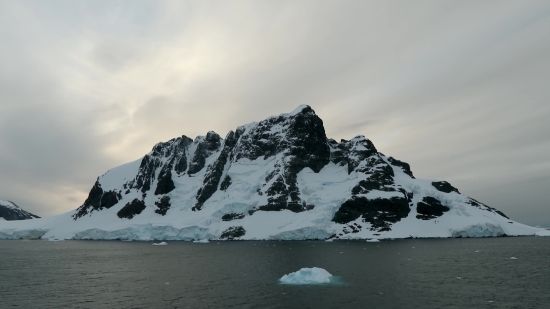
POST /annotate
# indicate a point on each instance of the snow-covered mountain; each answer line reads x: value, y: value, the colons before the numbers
x: 280, y: 178
x: 10, y: 211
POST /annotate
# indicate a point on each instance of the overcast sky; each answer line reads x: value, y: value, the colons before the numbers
x: 458, y: 89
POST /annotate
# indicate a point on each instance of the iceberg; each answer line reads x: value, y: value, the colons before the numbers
x: 202, y: 241
x: 373, y: 240
x: 314, y: 275
x: 160, y: 244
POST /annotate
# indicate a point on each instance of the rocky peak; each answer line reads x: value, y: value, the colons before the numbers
x: 9, y: 211
x: 205, y: 146
x: 281, y: 146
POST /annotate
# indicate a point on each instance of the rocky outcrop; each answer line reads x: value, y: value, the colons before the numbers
x: 9, y: 211
x: 97, y: 200
x: 430, y: 208
x: 444, y: 186
x: 131, y: 209
x: 233, y: 233
x: 163, y: 205
x: 205, y: 147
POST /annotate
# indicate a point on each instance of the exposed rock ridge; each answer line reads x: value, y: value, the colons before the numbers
x: 9, y: 211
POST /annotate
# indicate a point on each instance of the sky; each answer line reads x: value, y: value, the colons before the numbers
x: 458, y: 89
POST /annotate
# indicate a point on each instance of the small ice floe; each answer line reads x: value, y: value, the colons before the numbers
x: 167, y: 283
x: 202, y: 241
x: 373, y: 240
x: 477, y: 251
x: 459, y: 278
x: 314, y: 275
x: 160, y: 244
x: 513, y: 258
x: 328, y: 240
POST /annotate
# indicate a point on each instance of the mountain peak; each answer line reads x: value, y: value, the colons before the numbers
x: 10, y: 211
x: 301, y: 109
x: 279, y: 178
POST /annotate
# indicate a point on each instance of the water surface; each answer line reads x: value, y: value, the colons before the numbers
x: 428, y: 273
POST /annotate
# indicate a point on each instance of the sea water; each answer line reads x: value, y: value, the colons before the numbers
x: 412, y: 273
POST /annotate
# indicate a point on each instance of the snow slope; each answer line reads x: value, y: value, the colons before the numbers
x: 280, y: 178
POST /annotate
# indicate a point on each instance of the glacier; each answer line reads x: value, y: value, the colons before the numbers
x: 277, y: 179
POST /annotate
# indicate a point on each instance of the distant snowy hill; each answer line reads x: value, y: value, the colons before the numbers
x: 280, y: 178
x: 10, y: 211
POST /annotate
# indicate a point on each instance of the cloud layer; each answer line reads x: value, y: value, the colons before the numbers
x: 457, y: 89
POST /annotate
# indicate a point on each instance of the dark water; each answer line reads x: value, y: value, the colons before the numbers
x: 392, y: 274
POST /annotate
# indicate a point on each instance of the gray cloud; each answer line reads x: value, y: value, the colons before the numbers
x: 457, y: 89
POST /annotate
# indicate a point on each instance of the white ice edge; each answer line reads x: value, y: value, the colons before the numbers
x: 314, y: 275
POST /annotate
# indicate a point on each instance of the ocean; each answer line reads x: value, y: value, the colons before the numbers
x: 406, y: 273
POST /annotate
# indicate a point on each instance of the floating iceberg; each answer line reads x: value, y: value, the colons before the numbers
x: 513, y: 258
x: 202, y: 241
x: 373, y: 240
x: 329, y: 240
x: 160, y: 244
x: 314, y: 275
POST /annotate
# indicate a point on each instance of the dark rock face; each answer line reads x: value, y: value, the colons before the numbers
x: 165, y: 183
x: 225, y: 183
x: 163, y: 205
x: 232, y: 216
x: 181, y: 163
x: 482, y: 206
x: 169, y: 155
x: 444, y: 186
x: 404, y: 166
x: 380, y: 212
x: 233, y: 232
x: 351, y: 152
x: 97, y: 200
x: 304, y: 144
x: 215, y: 171
x: 300, y: 137
x: 13, y: 212
x: 131, y: 209
x: 205, y: 148
x: 430, y: 208
x: 361, y: 156
x: 109, y: 199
